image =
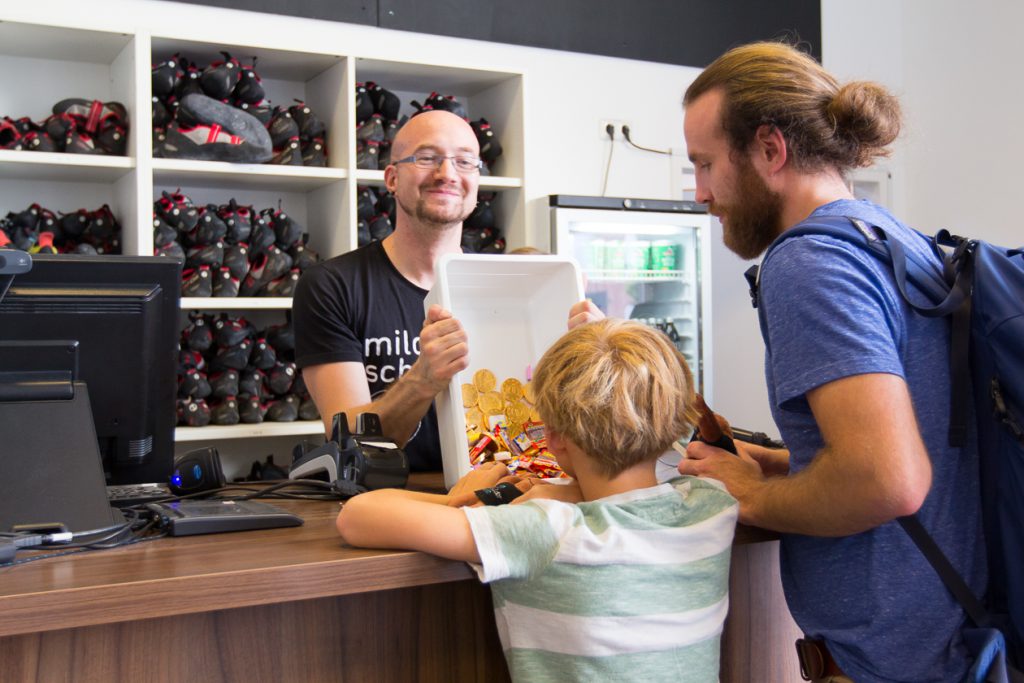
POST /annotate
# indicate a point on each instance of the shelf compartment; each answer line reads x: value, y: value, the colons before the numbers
x: 59, y: 43
x: 319, y: 80
x: 494, y: 95
x: 221, y: 174
x: 249, y: 431
x: 239, y: 303
x: 635, y: 275
x: 23, y: 165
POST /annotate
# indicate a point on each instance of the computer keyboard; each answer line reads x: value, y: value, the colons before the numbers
x: 125, y: 495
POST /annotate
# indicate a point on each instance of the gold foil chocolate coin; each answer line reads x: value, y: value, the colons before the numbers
x: 490, y: 402
x: 469, y: 396
x: 517, y: 413
x: 484, y: 380
x: 512, y: 389
x: 475, y: 417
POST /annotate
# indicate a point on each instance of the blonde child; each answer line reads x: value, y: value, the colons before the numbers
x: 614, y: 577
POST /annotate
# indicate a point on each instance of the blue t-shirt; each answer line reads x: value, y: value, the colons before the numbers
x: 833, y: 311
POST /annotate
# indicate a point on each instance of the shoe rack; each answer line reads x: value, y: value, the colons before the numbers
x: 41, y: 64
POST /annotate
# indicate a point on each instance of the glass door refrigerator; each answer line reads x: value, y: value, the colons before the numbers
x: 644, y: 259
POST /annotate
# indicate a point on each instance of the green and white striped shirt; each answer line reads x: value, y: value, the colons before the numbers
x: 632, y: 587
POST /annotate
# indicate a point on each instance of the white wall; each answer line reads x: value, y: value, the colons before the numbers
x: 956, y: 67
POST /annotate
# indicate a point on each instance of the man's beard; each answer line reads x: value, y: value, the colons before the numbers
x: 753, y: 222
x: 437, y: 217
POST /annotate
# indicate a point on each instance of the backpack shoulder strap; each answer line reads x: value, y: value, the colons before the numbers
x: 948, y: 291
x: 907, y: 267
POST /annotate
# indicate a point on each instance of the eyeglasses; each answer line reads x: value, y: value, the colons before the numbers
x: 430, y: 161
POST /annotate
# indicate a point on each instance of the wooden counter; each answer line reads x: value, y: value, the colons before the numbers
x: 292, y: 604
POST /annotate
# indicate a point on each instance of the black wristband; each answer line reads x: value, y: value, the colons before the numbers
x: 504, y: 492
x: 489, y: 496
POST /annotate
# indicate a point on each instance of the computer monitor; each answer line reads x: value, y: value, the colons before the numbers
x: 123, y: 312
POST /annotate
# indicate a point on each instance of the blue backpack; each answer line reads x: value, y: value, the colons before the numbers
x: 981, y: 289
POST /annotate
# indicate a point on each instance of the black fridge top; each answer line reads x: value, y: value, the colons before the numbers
x: 570, y: 201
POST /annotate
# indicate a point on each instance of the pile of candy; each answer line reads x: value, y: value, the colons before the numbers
x: 504, y: 426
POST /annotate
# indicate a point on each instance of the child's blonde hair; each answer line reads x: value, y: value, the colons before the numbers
x: 526, y: 251
x: 619, y: 390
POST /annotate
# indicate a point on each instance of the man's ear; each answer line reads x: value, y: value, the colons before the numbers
x: 390, y: 181
x: 770, y: 146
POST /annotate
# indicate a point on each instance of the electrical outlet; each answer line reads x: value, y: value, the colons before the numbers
x: 617, y: 124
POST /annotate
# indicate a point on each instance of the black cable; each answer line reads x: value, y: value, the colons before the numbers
x: 5, y: 284
x: 625, y: 134
x: 116, y: 537
x: 610, y: 129
x: 81, y: 549
x: 328, y: 492
x: 315, y: 489
x: 142, y: 525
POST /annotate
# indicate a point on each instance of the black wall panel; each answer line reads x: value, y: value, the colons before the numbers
x: 684, y: 32
x: 349, y: 11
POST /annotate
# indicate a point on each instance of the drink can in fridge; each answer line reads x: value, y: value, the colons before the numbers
x: 664, y: 255
x: 615, y: 255
x: 637, y: 255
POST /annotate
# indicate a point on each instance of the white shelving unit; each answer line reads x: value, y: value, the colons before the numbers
x: 43, y: 63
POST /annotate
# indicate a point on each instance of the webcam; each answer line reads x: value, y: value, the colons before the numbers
x: 14, y: 262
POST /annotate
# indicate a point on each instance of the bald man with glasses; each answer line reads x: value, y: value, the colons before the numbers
x: 362, y: 339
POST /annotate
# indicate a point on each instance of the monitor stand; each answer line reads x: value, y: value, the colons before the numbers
x: 51, y: 470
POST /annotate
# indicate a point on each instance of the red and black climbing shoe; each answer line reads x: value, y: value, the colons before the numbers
x: 81, y: 143
x: 210, y: 228
x: 236, y: 260
x: 224, y: 283
x: 210, y: 255
x: 178, y: 210
x: 249, y: 89
x: 250, y: 409
x: 314, y: 152
x: 263, y: 354
x: 283, y: 409
x: 288, y: 154
x: 90, y: 114
x: 310, y: 125
x: 285, y: 285
x: 216, y: 132
x: 253, y: 382
x: 490, y: 148
x: 193, y: 412
x: 281, y: 377
x: 238, y: 220
x: 224, y: 383
x: 220, y: 78
x: 10, y: 136
x: 225, y: 411
x: 193, y: 383
x: 385, y: 102
x: 196, y: 282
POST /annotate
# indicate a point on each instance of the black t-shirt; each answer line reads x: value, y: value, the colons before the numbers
x: 358, y: 308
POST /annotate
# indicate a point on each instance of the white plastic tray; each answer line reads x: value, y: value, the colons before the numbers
x: 512, y: 308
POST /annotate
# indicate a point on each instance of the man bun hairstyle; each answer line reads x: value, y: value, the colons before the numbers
x: 619, y: 390
x: 825, y: 124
